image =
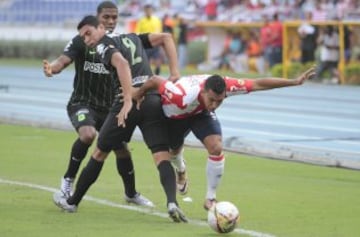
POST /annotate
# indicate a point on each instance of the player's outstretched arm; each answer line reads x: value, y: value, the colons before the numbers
x: 310, y: 73
x: 271, y: 83
x: 56, y: 66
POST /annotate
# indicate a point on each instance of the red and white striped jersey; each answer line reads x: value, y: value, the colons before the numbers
x: 182, y: 99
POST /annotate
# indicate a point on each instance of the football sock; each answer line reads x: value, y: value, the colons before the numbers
x: 125, y: 168
x: 214, y: 172
x: 78, y: 153
x: 178, y: 161
x: 168, y: 180
x: 87, y: 177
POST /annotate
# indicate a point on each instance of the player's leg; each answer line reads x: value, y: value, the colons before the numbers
x: 207, y: 129
x: 178, y: 162
x: 87, y: 177
x: 177, y: 159
x: 82, y: 118
x: 214, y: 167
x: 155, y: 133
x: 179, y: 130
x: 110, y: 138
x: 168, y: 181
x: 126, y: 170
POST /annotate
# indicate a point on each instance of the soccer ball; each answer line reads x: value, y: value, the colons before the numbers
x: 223, y: 217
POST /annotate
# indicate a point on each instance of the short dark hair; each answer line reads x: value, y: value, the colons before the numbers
x: 105, y: 4
x: 88, y: 20
x: 216, y: 83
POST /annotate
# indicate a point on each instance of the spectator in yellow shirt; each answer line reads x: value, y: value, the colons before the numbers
x: 151, y: 24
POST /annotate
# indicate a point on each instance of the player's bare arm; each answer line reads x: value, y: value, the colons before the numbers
x: 166, y: 41
x: 124, y: 75
x: 153, y: 83
x: 56, y: 66
x: 308, y: 74
x: 271, y: 83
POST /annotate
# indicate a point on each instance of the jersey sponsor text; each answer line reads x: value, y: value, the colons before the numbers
x: 95, y: 67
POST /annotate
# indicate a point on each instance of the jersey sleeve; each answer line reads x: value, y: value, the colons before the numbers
x: 106, y: 48
x: 235, y: 86
x: 73, y: 47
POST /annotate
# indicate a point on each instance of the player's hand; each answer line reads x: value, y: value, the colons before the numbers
x: 123, y: 114
x: 174, y: 78
x: 310, y: 73
x: 47, y: 68
x: 138, y: 96
x: 138, y: 102
x: 174, y: 75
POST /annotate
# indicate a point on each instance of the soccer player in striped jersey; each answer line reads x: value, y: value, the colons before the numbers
x: 190, y: 105
x: 89, y: 105
x: 121, y: 54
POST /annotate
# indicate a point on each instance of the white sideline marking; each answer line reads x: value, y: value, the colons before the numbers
x: 132, y: 208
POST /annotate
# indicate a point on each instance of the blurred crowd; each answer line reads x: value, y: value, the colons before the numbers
x: 250, y: 10
x: 257, y: 49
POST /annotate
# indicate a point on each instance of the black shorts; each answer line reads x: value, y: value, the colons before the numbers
x: 202, y: 125
x: 84, y: 115
x: 150, y: 119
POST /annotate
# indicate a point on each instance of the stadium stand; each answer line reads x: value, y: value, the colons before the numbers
x: 30, y: 12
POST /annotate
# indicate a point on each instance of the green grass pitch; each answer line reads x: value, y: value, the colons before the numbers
x: 275, y: 198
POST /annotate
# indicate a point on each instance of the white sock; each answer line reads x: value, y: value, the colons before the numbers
x: 178, y: 161
x: 214, y: 171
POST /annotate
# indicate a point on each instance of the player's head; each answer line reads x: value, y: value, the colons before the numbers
x: 107, y: 13
x: 214, y: 92
x: 91, y: 30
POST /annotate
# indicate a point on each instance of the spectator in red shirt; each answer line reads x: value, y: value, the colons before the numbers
x: 211, y: 10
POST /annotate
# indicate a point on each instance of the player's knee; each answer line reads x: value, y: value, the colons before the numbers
x: 161, y: 156
x: 99, y: 155
x: 213, y: 144
x: 160, y: 153
x: 123, y: 152
x: 215, y: 149
x: 87, y: 135
x: 88, y: 138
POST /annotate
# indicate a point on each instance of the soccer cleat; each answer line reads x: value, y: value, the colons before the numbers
x: 209, y: 203
x: 182, y: 182
x: 61, y: 202
x: 140, y: 200
x: 66, y: 186
x: 175, y: 213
